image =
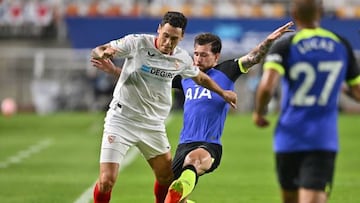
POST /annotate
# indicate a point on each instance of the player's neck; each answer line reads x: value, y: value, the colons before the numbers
x: 312, y: 25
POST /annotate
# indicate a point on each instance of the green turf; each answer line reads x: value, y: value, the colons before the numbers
x: 62, y: 171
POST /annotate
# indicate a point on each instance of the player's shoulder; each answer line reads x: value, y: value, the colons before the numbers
x: 140, y: 37
x: 228, y: 63
x: 182, y: 54
x: 138, y: 41
x: 180, y: 50
x: 230, y: 67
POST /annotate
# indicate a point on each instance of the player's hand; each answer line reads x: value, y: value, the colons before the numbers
x: 260, y: 120
x: 230, y: 97
x: 280, y: 31
x: 105, y: 65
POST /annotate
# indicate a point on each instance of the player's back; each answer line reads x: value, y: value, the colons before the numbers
x: 315, y: 67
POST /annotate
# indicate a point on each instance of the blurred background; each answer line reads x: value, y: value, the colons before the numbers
x: 45, y: 70
x: 45, y: 44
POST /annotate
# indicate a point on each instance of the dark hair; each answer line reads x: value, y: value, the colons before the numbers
x: 307, y: 10
x: 208, y: 38
x: 175, y: 19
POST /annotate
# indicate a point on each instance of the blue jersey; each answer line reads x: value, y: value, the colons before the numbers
x: 314, y: 64
x: 205, y: 111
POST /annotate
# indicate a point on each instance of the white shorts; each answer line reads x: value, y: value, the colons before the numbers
x: 121, y: 133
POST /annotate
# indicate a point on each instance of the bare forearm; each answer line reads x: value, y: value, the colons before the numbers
x: 256, y: 55
x: 262, y: 100
x: 355, y: 92
x: 102, y: 51
x: 259, y: 52
x: 116, y: 72
x: 266, y: 89
x: 205, y: 81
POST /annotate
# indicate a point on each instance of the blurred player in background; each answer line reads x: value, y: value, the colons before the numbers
x: 200, y: 149
x: 313, y: 63
x: 142, y: 101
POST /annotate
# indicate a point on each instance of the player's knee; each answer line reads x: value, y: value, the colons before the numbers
x: 192, y: 160
x: 201, y: 163
x: 106, y: 183
x: 165, y: 178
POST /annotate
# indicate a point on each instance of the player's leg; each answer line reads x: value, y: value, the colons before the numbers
x: 155, y: 147
x: 161, y: 166
x: 105, y: 183
x: 111, y: 155
x: 183, y: 186
x: 289, y: 196
x: 312, y: 196
x: 197, y: 161
x: 316, y: 176
x: 287, y: 169
x: 113, y: 150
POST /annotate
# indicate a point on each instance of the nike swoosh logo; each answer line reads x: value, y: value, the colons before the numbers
x: 151, y: 54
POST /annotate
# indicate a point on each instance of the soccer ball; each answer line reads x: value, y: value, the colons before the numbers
x: 8, y: 107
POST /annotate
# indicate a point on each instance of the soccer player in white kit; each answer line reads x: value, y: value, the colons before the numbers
x: 142, y: 101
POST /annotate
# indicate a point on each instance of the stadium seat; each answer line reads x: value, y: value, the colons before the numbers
x: 93, y: 10
x: 274, y: 10
x: 186, y: 9
x: 112, y: 10
x: 346, y: 12
x: 72, y: 10
x: 208, y: 10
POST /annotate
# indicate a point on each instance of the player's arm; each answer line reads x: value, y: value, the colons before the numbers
x: 103, y: 51
x: 355, y: 92
x: 256, y: 55
x: 266, y: 89
x: 273, y: 70
x: 353, y: 89
x: 107, y: 66
x: 205, y: 81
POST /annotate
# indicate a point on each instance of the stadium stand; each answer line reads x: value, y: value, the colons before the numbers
x: 28, y: 62
x: 17, y: 11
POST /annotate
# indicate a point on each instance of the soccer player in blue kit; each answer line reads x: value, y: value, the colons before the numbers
x: 312, y: 63
x: 199, y: 150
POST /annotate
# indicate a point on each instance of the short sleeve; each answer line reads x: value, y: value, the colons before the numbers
x: 353, y: 70
x: 277, y: 53
x: 189, y: 70
x: 125, y: 45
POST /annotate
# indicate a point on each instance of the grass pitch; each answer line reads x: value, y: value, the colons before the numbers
x: 54, y: 159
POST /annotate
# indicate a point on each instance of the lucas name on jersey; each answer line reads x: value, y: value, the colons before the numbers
x: 315, y: 44
x: 197, y: 92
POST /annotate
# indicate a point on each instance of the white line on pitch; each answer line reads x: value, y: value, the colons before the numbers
x: 23, y: 154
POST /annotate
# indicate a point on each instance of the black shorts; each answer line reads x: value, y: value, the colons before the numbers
x: 182, y: 150
x: 311, y: 170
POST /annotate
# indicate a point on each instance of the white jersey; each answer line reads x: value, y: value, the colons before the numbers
x: 145, y: 82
